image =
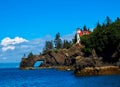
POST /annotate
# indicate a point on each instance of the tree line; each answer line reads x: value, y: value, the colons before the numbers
x: 57, y: 43
x: 105, y: 40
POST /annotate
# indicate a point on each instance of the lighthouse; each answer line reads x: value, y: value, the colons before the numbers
x: 78, y: 32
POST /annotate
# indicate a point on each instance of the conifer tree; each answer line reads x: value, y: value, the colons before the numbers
x: 84, y: 28
x: 108, y: 21
x: 30, y: 55
x: 48, y: 45
x: 58, y: 41
x: 67, y: 44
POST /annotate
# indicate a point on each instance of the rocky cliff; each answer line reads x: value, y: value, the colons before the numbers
x: 54, y: 57
x: 72, y: 58
x: 62, y: 57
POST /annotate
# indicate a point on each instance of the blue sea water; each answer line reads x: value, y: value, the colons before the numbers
x: 13, y: 77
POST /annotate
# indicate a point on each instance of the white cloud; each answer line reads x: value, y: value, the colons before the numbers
x: 8, y: 48
x: 8, y: 41
x: 10, y: 44
x: 14, y: 49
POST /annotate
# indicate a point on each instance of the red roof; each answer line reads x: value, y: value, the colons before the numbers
x: 84, y: 32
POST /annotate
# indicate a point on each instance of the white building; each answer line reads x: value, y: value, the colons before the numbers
x: 78, y: 35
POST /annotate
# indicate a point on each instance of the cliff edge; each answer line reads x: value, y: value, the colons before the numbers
x: 71, y: 59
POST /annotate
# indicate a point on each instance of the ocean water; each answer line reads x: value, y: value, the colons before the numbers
x: 13, y: 77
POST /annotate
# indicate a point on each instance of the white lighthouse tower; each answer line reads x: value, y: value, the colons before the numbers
x: 78, y: 35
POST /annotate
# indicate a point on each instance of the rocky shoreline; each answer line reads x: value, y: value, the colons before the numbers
x: 71, y: 59
x: 104, y: 70
x: 66, y: 68
x: 61, y: 57
x: 87, y: 71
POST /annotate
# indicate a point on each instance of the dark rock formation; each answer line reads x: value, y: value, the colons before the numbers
x: 63, y: 57
x: 54, y: 58
x: 104, y: 70
x: 29, y: 62
x: 72, y: 59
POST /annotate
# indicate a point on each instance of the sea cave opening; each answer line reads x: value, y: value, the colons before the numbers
x: 37, y: 64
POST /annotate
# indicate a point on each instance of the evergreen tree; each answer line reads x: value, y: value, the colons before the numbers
x: 30, y: 55
x: 67, y: 44
x: 117, y: 19
x: 85, y: 40
x: 88, y: 29
x: 48, y: 45
x: 98, y: 25
x: 58, y: 41
x: 105, y: 39
x: 108, y: 21
x: 24, y: 56
x: 74, y: 40
x: 84, y: 28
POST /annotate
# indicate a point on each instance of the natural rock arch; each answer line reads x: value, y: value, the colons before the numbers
x: 38, y: 63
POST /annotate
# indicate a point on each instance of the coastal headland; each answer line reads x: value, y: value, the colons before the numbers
x: 89, y: 53
x: 71, y: 59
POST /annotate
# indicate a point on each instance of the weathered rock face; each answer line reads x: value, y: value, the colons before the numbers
x: 73, y: 59
x: 29, y: 62
x: 82, y: 63
x: 54, y: 58
x: 95, y: 66
x: 63, y: 57
x: 104, y: 70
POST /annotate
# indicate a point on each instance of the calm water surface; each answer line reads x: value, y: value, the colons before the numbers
x: 13, y: 77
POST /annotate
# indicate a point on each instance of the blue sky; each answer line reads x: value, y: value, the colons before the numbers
x: 39, y: 20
